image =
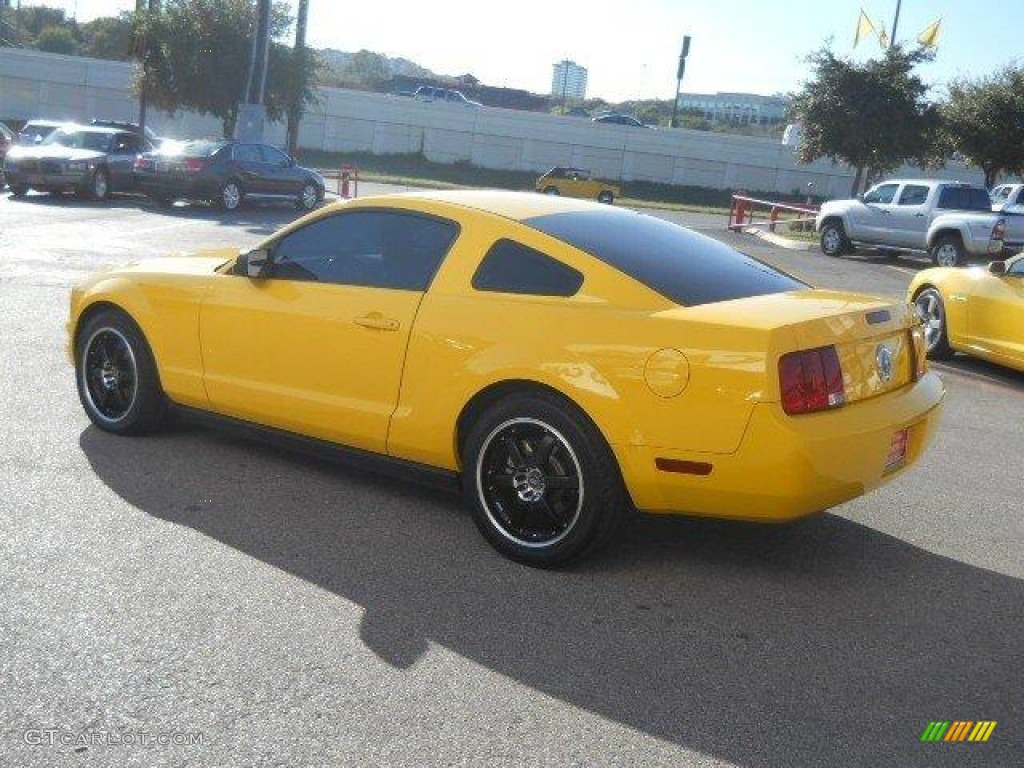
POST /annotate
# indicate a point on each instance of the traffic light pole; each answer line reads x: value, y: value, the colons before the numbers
x: 679, y: 78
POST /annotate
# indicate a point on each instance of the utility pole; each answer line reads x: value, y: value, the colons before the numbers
x: 679, y: 77
x: 252, y: 113
x: 147, y: 8
x: 895, y: 22
x: 299, y: 62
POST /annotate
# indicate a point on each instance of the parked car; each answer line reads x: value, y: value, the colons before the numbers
x: 8, y: 139
x: 37, y: 131
x: 977, y: 311
x: 430, y: 93
x: 577, y: 182
x: 1006, y: 196
x: 88, y: 160
x: 950, y: 220
x: 559, y: 360
x: 615, y: 119
x: 226, y: 173
x: 159, y: 142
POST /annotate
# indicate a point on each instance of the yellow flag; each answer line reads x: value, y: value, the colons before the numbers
x: 883, y: 38
x: 864, y: 26
x: 930, y: 37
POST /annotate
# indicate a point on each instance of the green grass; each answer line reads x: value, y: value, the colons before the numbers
x: 415, y: 171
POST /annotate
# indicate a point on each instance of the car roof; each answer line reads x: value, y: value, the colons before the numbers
x: 510, y: 205
x: 947, y: 182
x: 47, y: 123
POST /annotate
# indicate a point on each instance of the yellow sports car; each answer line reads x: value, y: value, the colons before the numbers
x: 977, y: 311
x: 561, y: 361
x: 577, y: 182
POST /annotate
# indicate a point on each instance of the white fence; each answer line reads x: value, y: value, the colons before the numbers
x: 34, y: 84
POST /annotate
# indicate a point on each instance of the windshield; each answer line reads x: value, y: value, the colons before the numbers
x: 683, y: 266
x: 95, y: 140
x: 200, y: 148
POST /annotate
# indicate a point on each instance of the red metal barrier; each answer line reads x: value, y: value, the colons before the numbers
x: 741, y: 213
x: 348, y: 181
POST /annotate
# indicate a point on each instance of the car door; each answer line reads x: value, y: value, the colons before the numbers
x: 995, y: 314
x: 123, y: 149
x: 909, y: 218
x: 872, y: 217
x: 252, y: 169
x: 318, y: 346
x: 281, y: 175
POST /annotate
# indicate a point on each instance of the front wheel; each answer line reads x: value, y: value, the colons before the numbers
x: 99, y: 185
x: 948, y: 251
x: 834, y: 241
x: 308, y: 198
x: 606, y: 197
x: 933, y: 313
x: 543, y: 484
x: 230, y: 196
x: 19, y: 190
x: 116, y: 375
x: 551, y: 190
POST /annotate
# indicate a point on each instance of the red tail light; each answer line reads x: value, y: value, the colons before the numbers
x: 194, y: 164
x: 141, y: 163
x: 999, y: 230
x: 811, y: 380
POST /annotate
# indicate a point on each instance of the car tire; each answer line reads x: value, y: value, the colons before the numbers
x: 932, y: 311
x: 308, y: 197
x: 99, y: 185
x: 948, y: 251
x: 19, y: 190
x: 551, y: 190
x: 117, y: 379
x: 231, y: 196
x: 606, y: 197
x: 162, y: 201
x: 511, y: 489
x: 833, y: 240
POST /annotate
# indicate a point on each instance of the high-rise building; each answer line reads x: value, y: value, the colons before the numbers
x: 569, y: 80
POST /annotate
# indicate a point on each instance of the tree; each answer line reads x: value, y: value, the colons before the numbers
x: 367, y: 69
x: 872, y: 116
x: 198, y: 58
x: 56, y: 39
x: 108, y: 37
x: 984, y: 121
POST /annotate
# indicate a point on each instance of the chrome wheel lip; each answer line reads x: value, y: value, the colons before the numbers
x: 84, y: 375
x: 496, y: 524
x: 231, y: 195
x: 929, y: 307
x: 946, y: 255
x: 308, y: 197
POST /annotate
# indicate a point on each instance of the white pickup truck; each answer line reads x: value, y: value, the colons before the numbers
x: 950, y: 220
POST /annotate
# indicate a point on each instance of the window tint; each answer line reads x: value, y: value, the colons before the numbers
x: 882, y: 194
x: 511, y: 267
x: 964, y: 199
x: 248, y: 153
x: 913, y: 194
x: 1017, y: 268
x: 681, y: 265
x: 274, y: 156
x: 373, y: 248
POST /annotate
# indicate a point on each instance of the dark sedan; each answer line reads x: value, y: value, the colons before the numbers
x: 89, y: 161
x: 227, y: 173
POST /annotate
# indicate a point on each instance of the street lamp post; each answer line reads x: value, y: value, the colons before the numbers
x: 679, y: 77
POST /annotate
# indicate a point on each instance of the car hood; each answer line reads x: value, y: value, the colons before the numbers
x: 202, y: 262
x: 53, y: 152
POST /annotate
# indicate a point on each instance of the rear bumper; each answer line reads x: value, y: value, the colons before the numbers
x: 789, y: 467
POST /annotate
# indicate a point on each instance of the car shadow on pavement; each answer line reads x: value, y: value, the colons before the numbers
x: 982, y: 370
x: 818, y: 643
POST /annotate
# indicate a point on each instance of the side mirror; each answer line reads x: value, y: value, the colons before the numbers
x: 255, y: 264
x: 997, y: 267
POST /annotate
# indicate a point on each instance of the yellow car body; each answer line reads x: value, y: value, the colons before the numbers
x: 977, y: 311
x: 686, y: 399
x: 577, y: 182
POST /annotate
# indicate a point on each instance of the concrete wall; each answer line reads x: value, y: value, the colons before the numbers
x: 34, y: 84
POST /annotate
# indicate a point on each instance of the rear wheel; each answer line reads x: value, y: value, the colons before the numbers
x: 606, y: 197
x: 19, y: 190
x: 933, y: 312
x: 116, y: 375
x: 307, y: 198
x: 543, y: 484
x: 834, y: 241
x: 948, y: 251
x: 99, y: 185
x: 230, y: 196
x: 551, y: 190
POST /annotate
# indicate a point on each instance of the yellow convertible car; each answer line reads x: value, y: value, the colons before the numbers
x: 977, y: 311
x: 561, y: 361
x: 577, y: 182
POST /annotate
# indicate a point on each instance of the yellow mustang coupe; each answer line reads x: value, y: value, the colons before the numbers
x: 561, y: 361
x: 577, y: 182
x: 977, y: 311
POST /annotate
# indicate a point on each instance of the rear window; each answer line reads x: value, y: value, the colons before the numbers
x: 964, y: 199
x: 681, y: 265
x: 197, y: 148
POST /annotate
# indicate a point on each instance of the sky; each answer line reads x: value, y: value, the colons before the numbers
x: 631, y: 47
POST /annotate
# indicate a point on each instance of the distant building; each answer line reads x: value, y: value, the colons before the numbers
x: 568, y: 79
x: 743, y: 108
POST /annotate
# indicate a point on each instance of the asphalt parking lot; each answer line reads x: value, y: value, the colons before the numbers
x: 295, y: 613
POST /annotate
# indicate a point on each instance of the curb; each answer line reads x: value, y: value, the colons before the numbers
x: 779, y: 240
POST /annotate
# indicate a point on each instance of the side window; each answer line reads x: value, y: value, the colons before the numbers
x: 511, y: 267
x: 882, y: 195
x: 275, y: 156
x: 1000, y: 194
x: 1017, y: 268
x: 380, y: 249
x: 913, y: 194
x: 248, y: 153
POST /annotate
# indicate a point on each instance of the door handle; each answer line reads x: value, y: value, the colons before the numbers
x: 919, y: 215
x: 377, y: 322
